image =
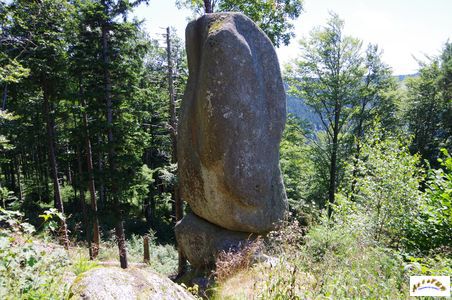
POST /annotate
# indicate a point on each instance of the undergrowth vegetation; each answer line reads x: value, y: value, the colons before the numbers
x: 34, y: 266
x: 329, y: 262
x: 163, y: 258
x: 29, y: 269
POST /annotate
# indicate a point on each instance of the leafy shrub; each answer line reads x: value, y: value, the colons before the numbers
x: 432, y: 227
x: 297, y: 168
x: 83, y: 264
x: 385, y: 209
x: 347, y: 264
x: 6, y: 196
x: 438, y: 265
x: 29, y: 269
x: 381, y: 192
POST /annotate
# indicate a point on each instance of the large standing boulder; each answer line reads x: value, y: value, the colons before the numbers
x: 232, y: 118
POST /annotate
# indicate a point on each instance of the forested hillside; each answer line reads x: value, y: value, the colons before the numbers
x: 299, y: 109
x: 88, y: 167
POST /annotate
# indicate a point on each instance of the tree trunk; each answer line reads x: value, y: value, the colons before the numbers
x: 100, y: 167
x: 12, y: 177
x: 359, y: 137
x: 119, y: 229
x: 146, y: 255
x: 58, y: 202
x: 19, y: 183
x: 178, y: 206
x: 208, y: 6
x: 46, y: 182
x: 82, y: 202
x: 91, y: 183
x: 333, y: 161
x: 172, y: 121
x: 332, y: 183
x: 5, y: 96
x: 38, y: 168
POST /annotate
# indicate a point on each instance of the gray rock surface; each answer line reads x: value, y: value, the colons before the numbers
x: 232, y: 118
x: 116, y: 283
x: 202, y: 241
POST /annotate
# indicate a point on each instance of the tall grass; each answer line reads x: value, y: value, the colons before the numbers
x: 329, y: 262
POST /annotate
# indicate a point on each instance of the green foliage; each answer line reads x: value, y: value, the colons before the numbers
x: 382, y: 195
x: 428, y: 109
x: 163, y: 258
x: 12, y: 71
x: 83, y: 264
x: 347, y: 93
x: 437, y: 265
x: 431, y: 228
x: 51, y: 220
x: 330, y: 88
x: 138, y: 191
x: 382, y: 190
x: 6, y: 196
x: 33, y: 269
x: 325, y: 84
x: 291, y: 158
x: 273, y: 16
x: 319, y: 150
x: 4, y: 142
x: 333, y: 261
x: 349, y: 267
x: 297, y: 167
x: 60, y: 43
x: 29, y: 269
x: 378, y: 98
x: 13, y: 220
x: 79, y: 53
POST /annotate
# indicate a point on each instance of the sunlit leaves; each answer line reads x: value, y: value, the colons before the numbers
x: 12, y: 72
x: 272, y: 16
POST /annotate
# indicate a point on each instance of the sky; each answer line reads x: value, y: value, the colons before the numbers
x: 405, y: 30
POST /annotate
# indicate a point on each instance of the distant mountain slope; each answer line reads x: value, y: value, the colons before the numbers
x: 298, y: 108
x: 405, y: 76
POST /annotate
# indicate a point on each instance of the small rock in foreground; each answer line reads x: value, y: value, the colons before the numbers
x: 116, y: 283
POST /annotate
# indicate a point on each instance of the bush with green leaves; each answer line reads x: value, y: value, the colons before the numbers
x: 298, y: 170
x: 381, y: 191
x: 387, y: 192
x: 432, y: 228
x: 6, y: 196
x: 29, y: 269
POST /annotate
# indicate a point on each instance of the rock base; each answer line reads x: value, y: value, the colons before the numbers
x: 202, y: 241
